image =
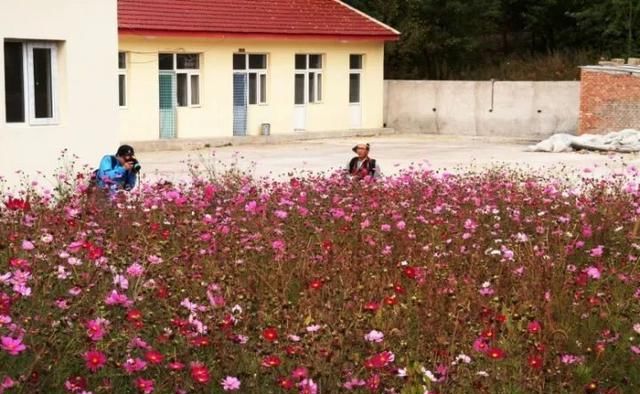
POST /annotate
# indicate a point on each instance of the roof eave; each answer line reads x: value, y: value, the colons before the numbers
x: 125, y: 31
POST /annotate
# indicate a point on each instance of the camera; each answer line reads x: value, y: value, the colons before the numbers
x: 135, y: 165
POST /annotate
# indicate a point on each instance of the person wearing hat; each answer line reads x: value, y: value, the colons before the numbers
x: 119, y: 171
x: 362, y: 165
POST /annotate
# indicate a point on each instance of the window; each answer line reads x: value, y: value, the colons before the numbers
x: 122, y: 79
x: 187, y: 69
x: 255, y: 66
x: 30, y: 78
x: 309, y: 74
x: 355, y: 74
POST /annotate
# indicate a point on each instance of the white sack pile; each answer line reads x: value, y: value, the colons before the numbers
x: 625, y: 141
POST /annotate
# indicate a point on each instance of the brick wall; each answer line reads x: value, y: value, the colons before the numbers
x: 609, y: 101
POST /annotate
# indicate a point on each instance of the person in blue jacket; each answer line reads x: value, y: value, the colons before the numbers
x: 119, y: 171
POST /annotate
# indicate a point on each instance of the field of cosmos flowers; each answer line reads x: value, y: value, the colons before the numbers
x: 426, y: 282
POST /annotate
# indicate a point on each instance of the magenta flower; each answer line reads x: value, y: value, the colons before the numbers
x: 278, y: 246
x: 115, y: 298
x: 134, y: 365
x: 13, y: 346
x: 94, y: 360
x: 96, y: 328
x: 593, y: 272
x: 230, y: 383
x: 145, y: 385
x: 597, y: 252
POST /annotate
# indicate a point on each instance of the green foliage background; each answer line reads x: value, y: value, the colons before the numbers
x: 504, y: 39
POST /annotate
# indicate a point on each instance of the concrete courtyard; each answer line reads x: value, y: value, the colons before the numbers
x: 394, y: 153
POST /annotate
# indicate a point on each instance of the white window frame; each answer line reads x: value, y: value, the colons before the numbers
x: 123, y: 72
x: 188, y: 72
x: 259, y: 72
x: 28, y: 84
x: 30, y: 46
x: 357, y: 71
x: 317, y: 86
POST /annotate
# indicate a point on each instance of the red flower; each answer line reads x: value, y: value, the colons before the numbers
x: 398, y: 288
x: 94, y: 360
x: 487, y: 334
x: 176, y: 366
x: 17, y: 204
x: 134, y: 315
x: 200, y: 341
x: 391, y: 300
x: 501, y: 318
x: 292, y: 350
x: 534, y: 327
x: 327, y: 245
x: 316, y: 284
x: 5, y: 304
x: 95, y: 252
x: 372, y: 306
x: 410, y: 272
x: 379, y: 360
x: 535, y: 361
x: 271, y: 361
x: 496, y: 353
x: 200, y: 373
x: 286, y: 383
x: 154, y: 357
x: 76, y: 384
x: 270, y: 334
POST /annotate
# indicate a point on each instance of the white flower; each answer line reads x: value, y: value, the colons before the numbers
x: 236, y: 309
x: 482, y: 373
x: 401, y: 373
x: 374, y: 336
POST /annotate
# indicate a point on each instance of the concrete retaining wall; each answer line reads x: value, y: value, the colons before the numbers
x: 483, y: 108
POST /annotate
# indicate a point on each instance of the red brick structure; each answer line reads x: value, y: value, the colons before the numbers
x: 609, y: 99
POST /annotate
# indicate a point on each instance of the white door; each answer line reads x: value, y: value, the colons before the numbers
x: 355, y: 100
x: 300, y: 105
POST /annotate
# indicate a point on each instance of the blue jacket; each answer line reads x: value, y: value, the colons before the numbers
x: 112, y: 175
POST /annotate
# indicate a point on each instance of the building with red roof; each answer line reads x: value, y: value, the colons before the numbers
x: 221, y: 68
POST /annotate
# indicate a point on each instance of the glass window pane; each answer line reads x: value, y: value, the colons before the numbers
x: 258, y: 62
x: 122, y: 60
x: 355, y: 62
x: 319, y: 90
x: 42, y: 83
x: 122, y: 90
x: 239, y: 61
x: 14, y: 82
x: 301, y: 62
x: 354, y: 88
x: 182, y: 89
x: 315, y: 61
x: 195, y: 90
x: 299, y: 89
x: 189, y: 61
x: 165, y: 61
x: 263, y: 88
x: 312, y: 82
x: 253, y: 88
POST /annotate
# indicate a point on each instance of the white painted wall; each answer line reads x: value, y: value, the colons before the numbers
x: 519, y: 109
x: 87, y: 41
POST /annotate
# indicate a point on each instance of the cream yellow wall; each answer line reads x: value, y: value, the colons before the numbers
x: 87, y: 40
x: 213, y: 118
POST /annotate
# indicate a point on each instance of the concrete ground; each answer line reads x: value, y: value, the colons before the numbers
x: 396, y: 152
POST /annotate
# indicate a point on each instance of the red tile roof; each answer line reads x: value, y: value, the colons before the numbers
x: 250, y: 18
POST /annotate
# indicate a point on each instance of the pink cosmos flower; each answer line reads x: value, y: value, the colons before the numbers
x: 94, y: 360
x: 571, y: 359
x: 300, y: 373
x: 480, y: 345
x: 314, y: 328
x: 374, y: 336
x: 353, y: 383
x: 385, y: 228
x: 135, y: 270
x: 13, y: 346
x: 134, y: 365
x: 154, y: 260
x: 401, y: 225
x: 593, y: 272
x: 635, y: 349
x: 96, y: 329
x: 6, y: 383
x: 230, y: 383
x: 308, y: 386
x: 281, y: 214
x: 115, y: 298
x: 278, y: 246
x: 145, y: 385
x: 27, y: 245
x: 597, y: 252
